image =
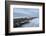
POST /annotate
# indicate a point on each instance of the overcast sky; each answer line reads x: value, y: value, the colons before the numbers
x: 25, y: 12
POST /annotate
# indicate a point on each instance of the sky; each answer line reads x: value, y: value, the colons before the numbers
x: 25, y: 12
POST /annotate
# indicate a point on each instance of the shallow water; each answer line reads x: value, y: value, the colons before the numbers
x: 33, y: 23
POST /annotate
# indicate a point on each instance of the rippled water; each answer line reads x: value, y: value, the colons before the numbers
x: 33, y: 23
